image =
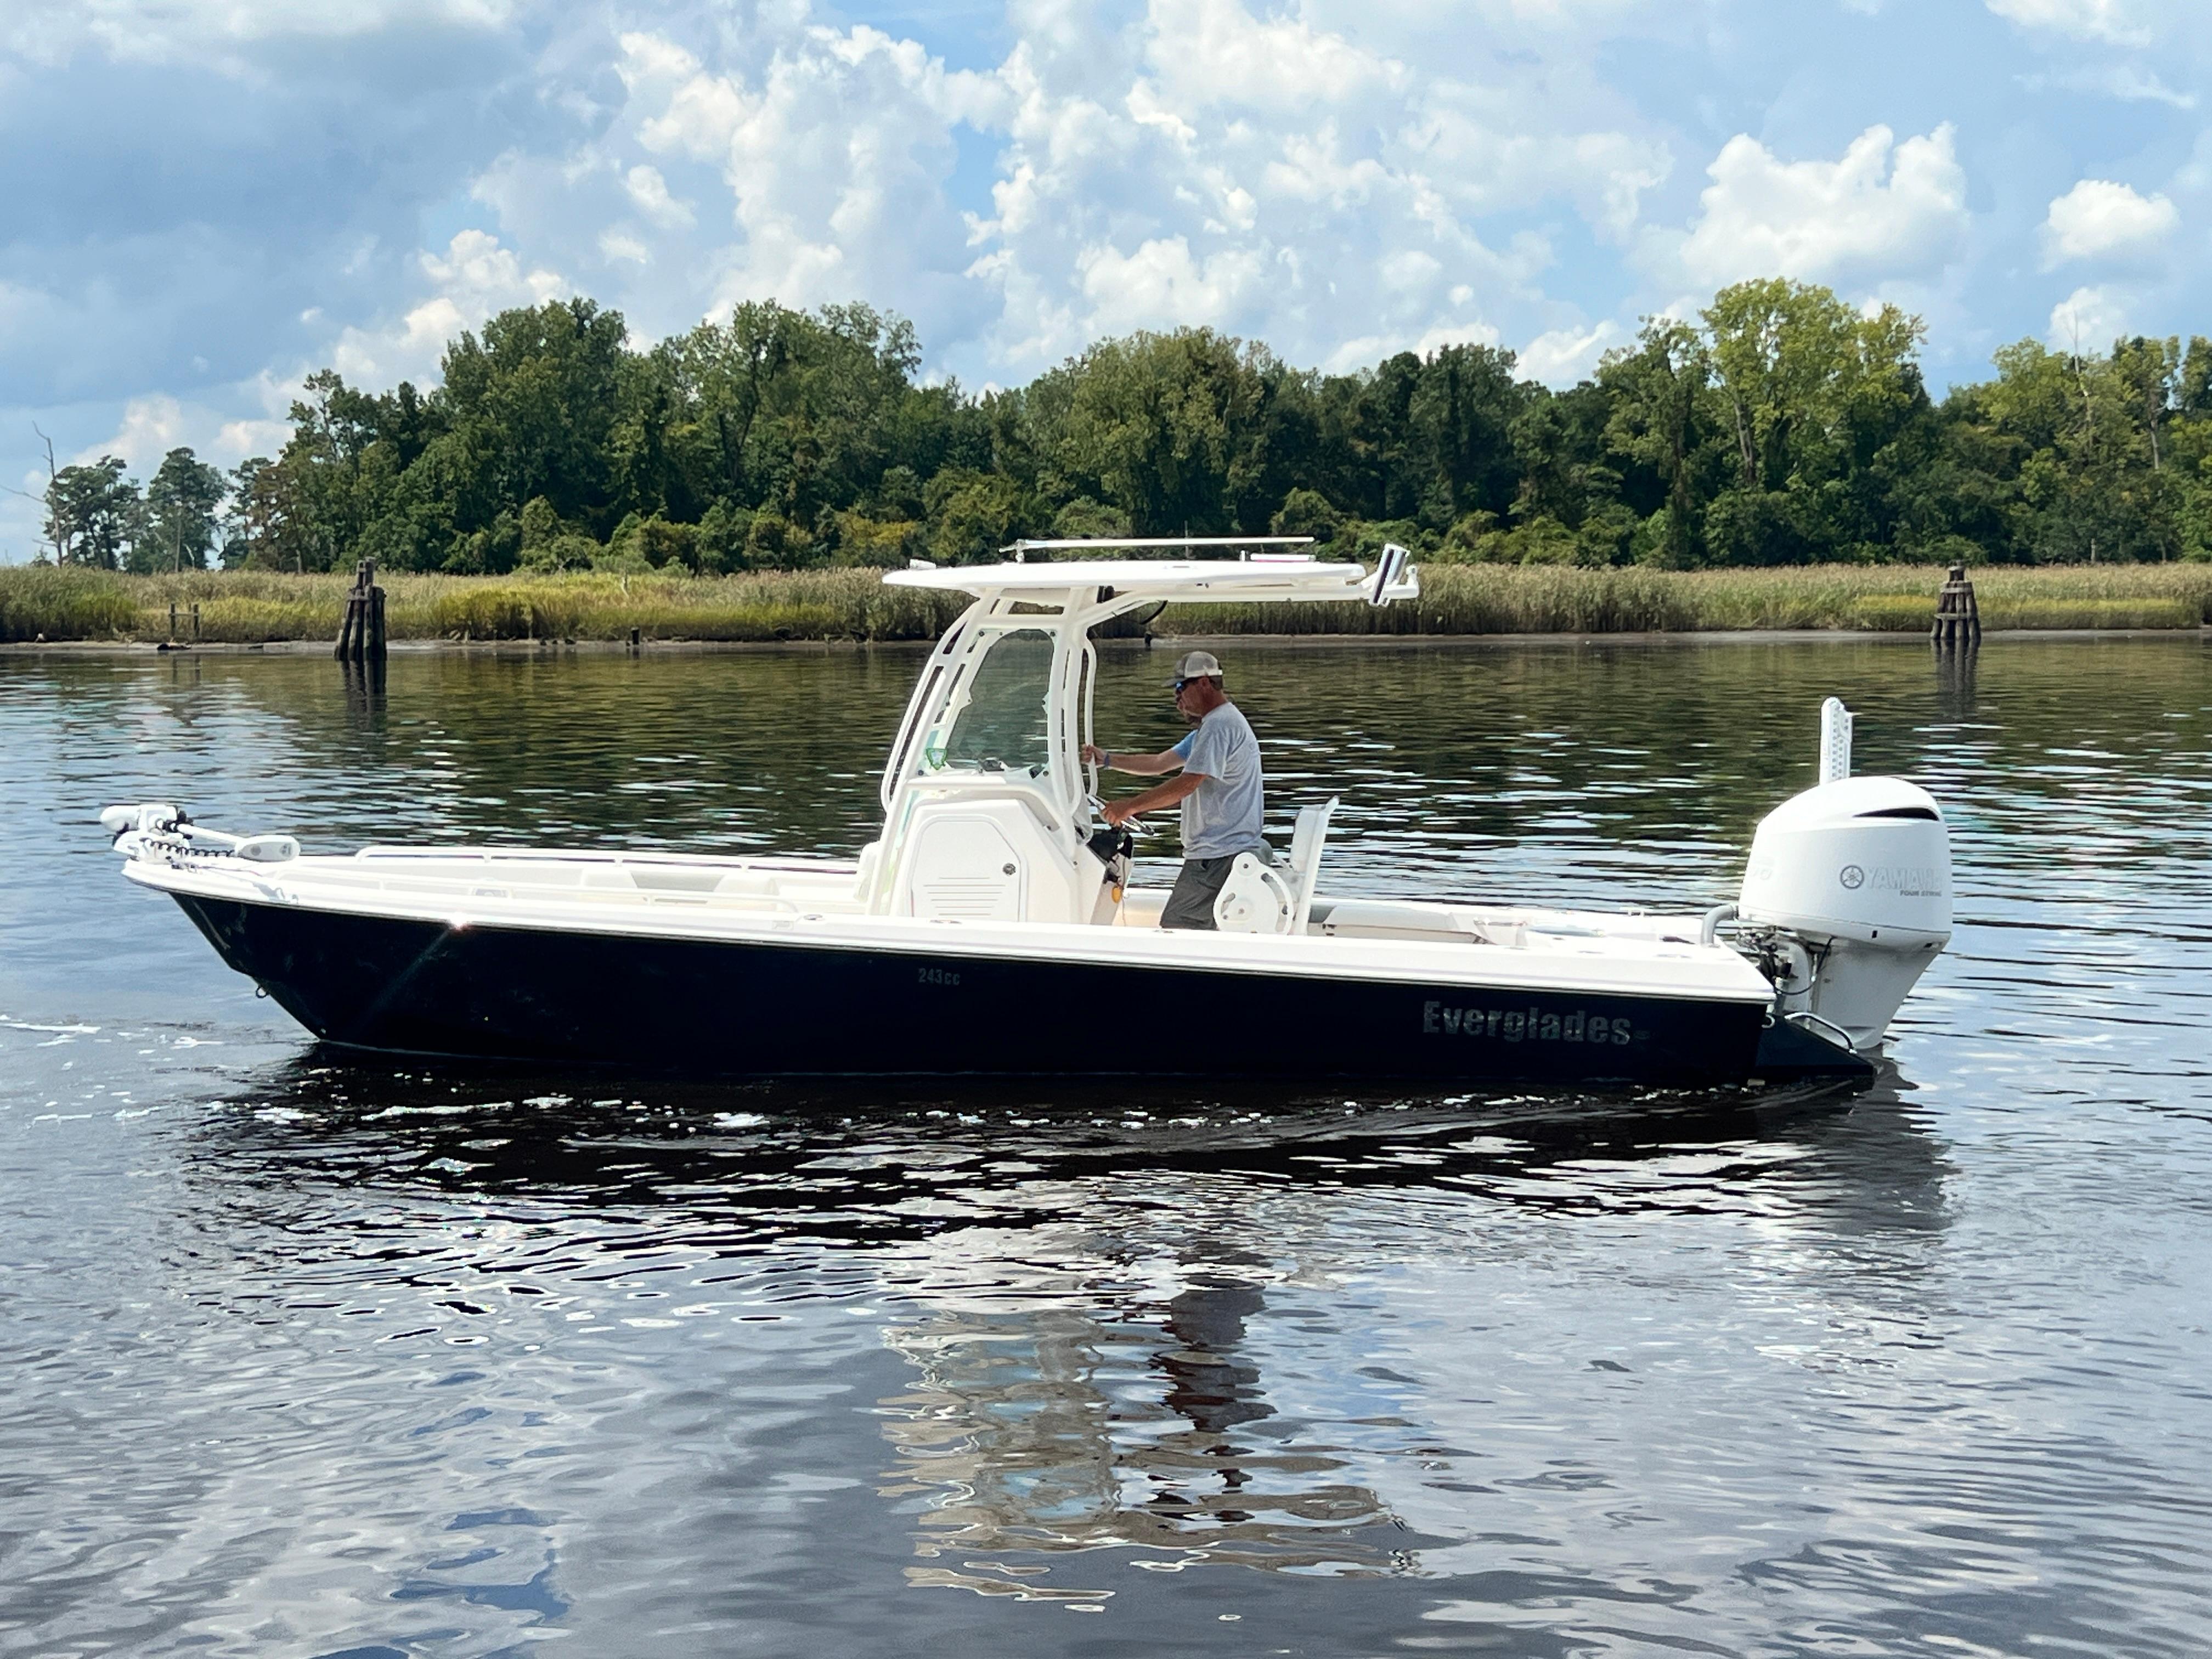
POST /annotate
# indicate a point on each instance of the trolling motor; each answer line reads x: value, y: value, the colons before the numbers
x: 165, y: 834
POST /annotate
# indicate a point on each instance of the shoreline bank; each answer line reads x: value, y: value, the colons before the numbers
x: 246, y: 608
x: 1166, y: 643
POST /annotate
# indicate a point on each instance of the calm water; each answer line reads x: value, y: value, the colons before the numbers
x: 300, y: 1358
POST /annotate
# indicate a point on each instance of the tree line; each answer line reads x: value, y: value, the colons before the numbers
x: 1780, y: 427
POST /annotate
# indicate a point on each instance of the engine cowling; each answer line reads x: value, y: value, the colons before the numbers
x: 1858, y: 873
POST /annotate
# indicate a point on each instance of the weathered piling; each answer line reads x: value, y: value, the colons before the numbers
x: 1957, y: 621
x: 360, y: 636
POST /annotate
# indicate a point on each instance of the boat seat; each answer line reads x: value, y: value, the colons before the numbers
x: 1255, y: 899
x: 1265, y: 897
x: 1307, y: 836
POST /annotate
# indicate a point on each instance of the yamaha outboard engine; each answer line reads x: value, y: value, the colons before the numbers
x: 1847, y: 897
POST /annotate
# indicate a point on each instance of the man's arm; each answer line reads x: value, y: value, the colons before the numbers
x: 1118, y: 812
x: 1143, y: 766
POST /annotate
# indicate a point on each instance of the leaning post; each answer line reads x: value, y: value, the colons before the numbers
x: 346, y: 649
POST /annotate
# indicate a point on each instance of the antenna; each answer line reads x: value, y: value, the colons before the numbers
x: 1022, y: 548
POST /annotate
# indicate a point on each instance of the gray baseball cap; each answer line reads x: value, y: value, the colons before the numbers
x: 1196, y: 666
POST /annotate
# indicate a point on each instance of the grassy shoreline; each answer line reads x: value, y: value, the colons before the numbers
x: 257, y: 607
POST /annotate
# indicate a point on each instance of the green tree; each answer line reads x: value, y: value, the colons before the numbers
x: 1780, y: 424
x: 1565, y: 473
x: 1307, y: 512
x: 803, y: 414
x: 1662, y: 413
x: 972, y: 515
x: 535, y: 402
x: 184, y: 502
x: 1168, y: 428
x: 2101, y: 456
x: 1814, y: 391
x: 92, y: 512
x: 1460, y: 415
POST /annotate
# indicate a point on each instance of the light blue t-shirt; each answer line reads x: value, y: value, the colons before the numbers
x: 1223, y: 815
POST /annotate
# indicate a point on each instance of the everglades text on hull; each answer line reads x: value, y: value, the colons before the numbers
x: 991, y: 925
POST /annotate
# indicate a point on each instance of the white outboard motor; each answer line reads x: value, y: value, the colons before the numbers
x: 1848, y: 893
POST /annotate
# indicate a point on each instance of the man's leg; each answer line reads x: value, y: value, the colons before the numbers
x: 1197, y: 885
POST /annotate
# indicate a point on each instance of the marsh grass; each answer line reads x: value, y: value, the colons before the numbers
x: 248, y: 607
x: 1476, y: 599
x: 64, y: 604
x: 252, y: 607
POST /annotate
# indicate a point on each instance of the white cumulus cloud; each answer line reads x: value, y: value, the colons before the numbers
x: 1365, y: 350
x: 1308, y: 176
x: 831, y: 148
x: 1214, y: 52
x: 648, y: 191
x: 2088, y: 319
x: 1561, y: 356
x: 2098, y: 217
x: 473, y: 278
x: 2119, y: 22
x: 152, y: 426
x: 1885, y: 210
x: 1336, y: 177
x: 1163, y: 281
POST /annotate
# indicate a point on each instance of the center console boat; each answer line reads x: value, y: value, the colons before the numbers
x: 992, y: 927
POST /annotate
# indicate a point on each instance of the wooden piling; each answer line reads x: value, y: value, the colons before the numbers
x: 1957, y: 620
x: 361, y: 636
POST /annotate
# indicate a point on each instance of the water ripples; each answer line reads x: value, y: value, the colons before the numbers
x: 314, y: 1358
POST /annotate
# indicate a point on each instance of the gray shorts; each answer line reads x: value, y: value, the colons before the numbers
x: 1197, y: 885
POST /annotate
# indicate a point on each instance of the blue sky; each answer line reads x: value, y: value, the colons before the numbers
x: 208, y: 199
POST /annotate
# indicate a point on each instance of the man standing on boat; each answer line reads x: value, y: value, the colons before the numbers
x: 1219, y: 789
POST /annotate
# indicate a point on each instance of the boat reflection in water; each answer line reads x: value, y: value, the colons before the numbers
x: 1077, y: 1393
x: 1043, y: 1431
x: 1174, y: 1336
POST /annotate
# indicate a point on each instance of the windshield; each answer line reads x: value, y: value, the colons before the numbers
x: 1000, y: 721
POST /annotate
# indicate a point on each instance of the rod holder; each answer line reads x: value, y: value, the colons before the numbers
x: 1835, y: 741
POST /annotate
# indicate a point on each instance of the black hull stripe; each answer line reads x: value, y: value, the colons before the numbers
x: 729, y: 1008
